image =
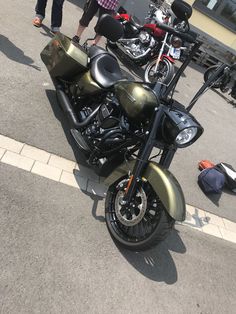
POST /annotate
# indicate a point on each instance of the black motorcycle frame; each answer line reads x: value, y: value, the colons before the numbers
x: 168, y: 153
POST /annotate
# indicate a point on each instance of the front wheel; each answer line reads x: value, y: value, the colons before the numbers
x: 209, y: 72
x: 140, y: 225
x: 164, y: 72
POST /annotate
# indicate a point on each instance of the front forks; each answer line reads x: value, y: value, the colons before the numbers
x: 143, y: 156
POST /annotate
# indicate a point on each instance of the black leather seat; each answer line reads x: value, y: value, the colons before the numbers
x: 105, y: 69
x: 94, y: 51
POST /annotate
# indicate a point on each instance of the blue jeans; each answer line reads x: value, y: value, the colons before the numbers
x: 56, y: 13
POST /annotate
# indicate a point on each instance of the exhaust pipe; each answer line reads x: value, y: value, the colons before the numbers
x: 126, y: 50
x: 69, y: 111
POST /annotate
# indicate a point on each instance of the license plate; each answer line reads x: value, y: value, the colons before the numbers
x: 175, y: 53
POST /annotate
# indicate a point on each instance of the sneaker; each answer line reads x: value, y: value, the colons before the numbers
x: 37, y: 22
x: 75, y: 40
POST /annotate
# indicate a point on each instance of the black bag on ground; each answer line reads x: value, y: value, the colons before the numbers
x: 230, y: 175
x: 211, y: 180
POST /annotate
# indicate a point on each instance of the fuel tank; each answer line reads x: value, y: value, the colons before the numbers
x: 137, y: 99
x: 63, y: 59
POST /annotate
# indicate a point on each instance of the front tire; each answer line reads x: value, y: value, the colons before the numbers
x: 209, y: 72
x: 164, y: 73
x: 145, y: 223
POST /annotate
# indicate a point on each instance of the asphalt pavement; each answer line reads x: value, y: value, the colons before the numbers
x: 56, y: 256
x: 30, y: 114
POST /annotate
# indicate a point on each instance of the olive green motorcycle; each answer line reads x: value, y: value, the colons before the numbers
x: 117, y: 123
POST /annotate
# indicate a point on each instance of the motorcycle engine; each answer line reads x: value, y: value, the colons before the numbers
x: 144, y: 38
x: 109, y: 127
x: 137, y: 47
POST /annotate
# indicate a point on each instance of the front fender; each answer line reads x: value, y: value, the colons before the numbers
x: 164, y: 184
x: 168, y: 58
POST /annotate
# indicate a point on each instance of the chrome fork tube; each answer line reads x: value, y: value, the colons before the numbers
x: 161, y: 52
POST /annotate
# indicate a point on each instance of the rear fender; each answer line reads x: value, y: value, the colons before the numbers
x: 164, y: 184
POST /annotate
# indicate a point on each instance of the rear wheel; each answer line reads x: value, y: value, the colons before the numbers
x: 143, y: 223
x: 164, y: 72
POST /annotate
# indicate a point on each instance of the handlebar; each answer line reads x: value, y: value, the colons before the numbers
x: 189, y: 37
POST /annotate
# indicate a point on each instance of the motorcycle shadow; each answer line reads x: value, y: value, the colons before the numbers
x: 157, y: 263
x: 95, y: 213
x: 51, y: 95
x: 81, y: 173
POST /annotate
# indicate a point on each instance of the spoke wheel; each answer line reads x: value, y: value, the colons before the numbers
x: 140, y: 225
x: 164, y: 72
x: 209, y: 72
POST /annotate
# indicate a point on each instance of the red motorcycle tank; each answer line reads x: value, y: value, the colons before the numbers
x: 155, y: 31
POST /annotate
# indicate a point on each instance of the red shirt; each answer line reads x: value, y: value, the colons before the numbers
x: 108, y: 4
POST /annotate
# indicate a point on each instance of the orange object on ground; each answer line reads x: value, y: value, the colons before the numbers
x: 204, y: 164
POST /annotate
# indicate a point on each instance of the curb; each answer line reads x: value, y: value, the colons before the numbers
x: 53, y: 167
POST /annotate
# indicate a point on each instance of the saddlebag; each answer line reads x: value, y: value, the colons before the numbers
x: 63, y: 59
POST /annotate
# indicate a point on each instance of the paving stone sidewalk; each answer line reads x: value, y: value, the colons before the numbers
x: 68, y: 172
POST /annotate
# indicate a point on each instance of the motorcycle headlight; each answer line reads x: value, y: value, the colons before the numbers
x: 186, y: 135
x: 180, y: 127
x: 176, y: 42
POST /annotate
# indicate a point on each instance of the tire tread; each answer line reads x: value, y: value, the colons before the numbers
x: 162, y: 231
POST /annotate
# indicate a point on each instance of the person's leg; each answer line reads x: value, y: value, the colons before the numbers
x: 40, y: 8
x: 56, y: 15
x: 101, y: 12
x: 40, y: 12
x: 90, y: 9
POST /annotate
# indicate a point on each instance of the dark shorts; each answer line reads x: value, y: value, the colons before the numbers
x: 90, y: 9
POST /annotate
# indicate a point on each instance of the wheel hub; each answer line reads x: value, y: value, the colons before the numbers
x: 132, y: 213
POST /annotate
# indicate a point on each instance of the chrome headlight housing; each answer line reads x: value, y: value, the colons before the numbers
x: 175, y: 41
x: 186, y: 135
x: 180, y: 127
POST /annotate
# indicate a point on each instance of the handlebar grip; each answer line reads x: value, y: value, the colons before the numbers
x: 165, y: 27
x: 189, y: 37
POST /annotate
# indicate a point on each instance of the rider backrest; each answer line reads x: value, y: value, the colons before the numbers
x: 110, y: 28
x: 181, y: 9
